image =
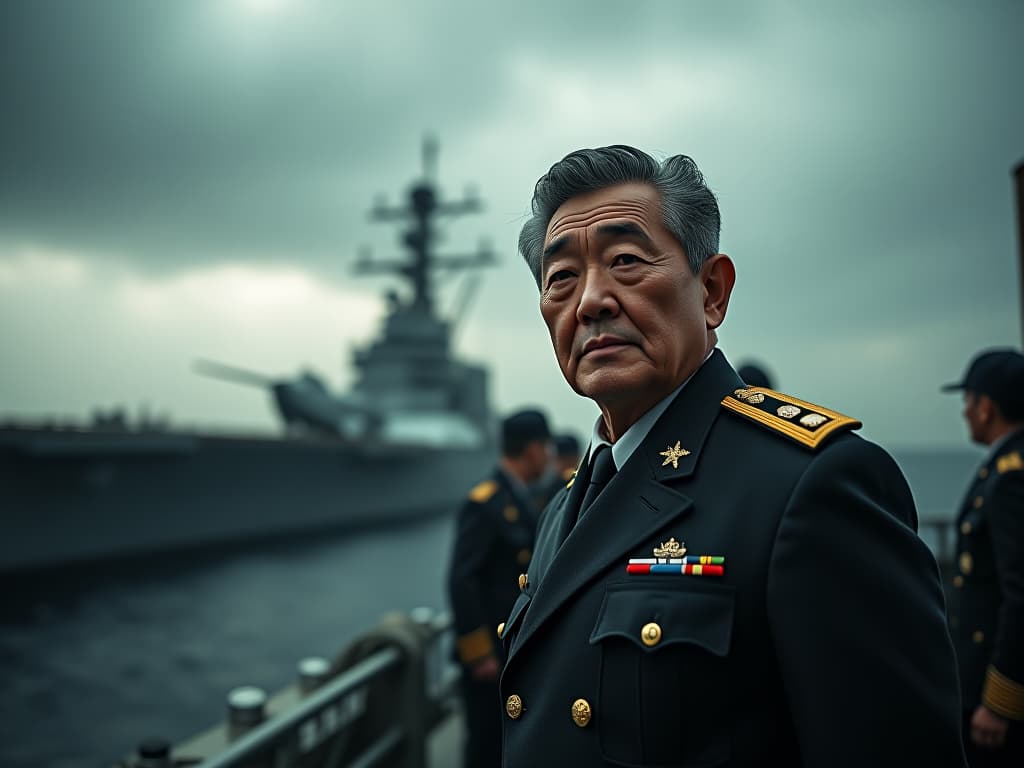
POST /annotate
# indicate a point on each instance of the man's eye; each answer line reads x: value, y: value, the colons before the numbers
x: 625, y: 259
x: 556, y: 277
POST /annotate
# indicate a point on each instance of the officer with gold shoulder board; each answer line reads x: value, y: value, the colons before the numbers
x: 494, y: 540
x: 986, y: 611
x: 733, y: 578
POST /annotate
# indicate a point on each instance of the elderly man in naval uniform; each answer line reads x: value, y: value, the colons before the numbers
x: 733, y: 578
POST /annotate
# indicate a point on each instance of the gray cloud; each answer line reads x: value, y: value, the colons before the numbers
x: 861, y: 153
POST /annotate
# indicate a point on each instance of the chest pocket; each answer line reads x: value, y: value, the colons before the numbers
x: 664, y: 673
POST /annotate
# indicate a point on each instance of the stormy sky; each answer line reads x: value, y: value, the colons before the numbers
x: 191, y: 179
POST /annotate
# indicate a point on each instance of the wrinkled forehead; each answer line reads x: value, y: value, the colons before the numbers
x: 634, y: 202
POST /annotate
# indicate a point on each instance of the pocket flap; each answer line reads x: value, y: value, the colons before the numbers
x: 701, y: 617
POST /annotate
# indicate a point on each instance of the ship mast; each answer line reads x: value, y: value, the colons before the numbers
x: 421, y: 209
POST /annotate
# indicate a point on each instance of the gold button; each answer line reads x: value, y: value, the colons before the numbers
x: 511, y: 513
x: 523, y: 581
x: 978, y: 501
x: 966, y: 563
x: 501, y: 629
x: 514, y: 706
x: 523, y: 556
x: 983, y: 473
x: 978, y: 636
x: 650, y: 634
x: 958, y: 581
x: 581, y: 712
x: 965, y: 527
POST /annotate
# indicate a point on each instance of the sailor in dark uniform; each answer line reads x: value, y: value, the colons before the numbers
x: 986, y: 611
x: 733, y: 578
x: 494, y: 541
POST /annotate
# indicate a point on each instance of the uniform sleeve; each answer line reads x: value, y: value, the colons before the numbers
x: 474, y: 534
x: 857, y: 616
x: 1003, y: 691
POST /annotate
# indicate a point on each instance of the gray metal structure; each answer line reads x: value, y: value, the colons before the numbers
x: 406, y: 440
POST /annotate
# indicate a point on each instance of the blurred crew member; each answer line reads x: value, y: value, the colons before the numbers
x: 493, y: 543
x: 986, y: 608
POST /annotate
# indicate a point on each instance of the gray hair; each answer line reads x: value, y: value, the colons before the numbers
x: 689, y: 209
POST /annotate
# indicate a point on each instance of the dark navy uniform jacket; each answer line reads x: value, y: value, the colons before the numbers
x: 986, y: 612
x: 823, y: 644
x: 493, y: 543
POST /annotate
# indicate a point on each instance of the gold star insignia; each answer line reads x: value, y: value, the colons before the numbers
x: 673, y: 454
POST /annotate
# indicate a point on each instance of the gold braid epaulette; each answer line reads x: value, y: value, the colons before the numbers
x: 484, y: 491
x: 800, y: 421
x: 1011, y: 462
x: 1002, y: 695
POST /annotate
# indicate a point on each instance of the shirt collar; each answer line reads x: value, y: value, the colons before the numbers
x: 631, y: 439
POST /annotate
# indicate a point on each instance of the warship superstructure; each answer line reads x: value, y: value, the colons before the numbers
x: 405, y: 441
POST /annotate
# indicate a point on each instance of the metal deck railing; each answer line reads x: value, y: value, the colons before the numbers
x: 377, y: 705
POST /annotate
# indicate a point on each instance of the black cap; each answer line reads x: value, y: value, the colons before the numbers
x: 521, y: 428
x: 567, y: 445
x: 997, y: 373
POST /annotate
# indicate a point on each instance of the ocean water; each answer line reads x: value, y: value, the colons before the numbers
x: 93, y: 663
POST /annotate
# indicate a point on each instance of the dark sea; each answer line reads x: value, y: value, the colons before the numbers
x: 93, y: 662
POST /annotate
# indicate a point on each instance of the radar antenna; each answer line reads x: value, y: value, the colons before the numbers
x: 421, y: 209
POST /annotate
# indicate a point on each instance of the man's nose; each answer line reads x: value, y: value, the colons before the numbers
x: 597, y: 299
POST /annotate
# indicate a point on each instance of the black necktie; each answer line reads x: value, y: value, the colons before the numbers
x: 602, y: 469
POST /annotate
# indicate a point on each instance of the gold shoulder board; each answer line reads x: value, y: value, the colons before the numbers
x: 1009, y: 463
x: 800, y: 421
x: 484, y: 491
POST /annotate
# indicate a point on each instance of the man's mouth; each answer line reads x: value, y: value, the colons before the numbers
x: 603, y: 342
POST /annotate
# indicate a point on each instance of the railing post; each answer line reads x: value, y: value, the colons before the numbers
x: 314, y: 671
x: 246, y: 709
x: 154, y: 753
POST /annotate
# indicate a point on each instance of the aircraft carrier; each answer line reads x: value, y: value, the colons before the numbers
x: 405, y: 441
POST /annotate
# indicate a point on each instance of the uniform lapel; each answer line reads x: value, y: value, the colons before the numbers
x: 566, y: 519
x: 554, y: 527
x: 636, y: 504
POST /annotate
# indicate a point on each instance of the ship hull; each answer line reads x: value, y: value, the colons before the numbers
x: 77, y: 497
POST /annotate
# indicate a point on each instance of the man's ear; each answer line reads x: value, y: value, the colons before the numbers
x: 986, y: 409
x: 718, y: 276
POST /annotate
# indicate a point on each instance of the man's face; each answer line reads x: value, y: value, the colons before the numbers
x: 625, y: 313
x: 976, y: 415
x: 537, y: 455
